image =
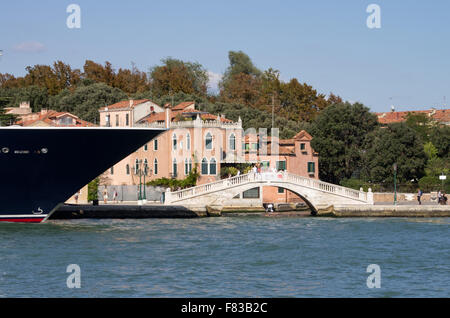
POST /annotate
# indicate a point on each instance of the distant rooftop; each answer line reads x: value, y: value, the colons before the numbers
x: 439, y: 115
x: 54, y: 118
x: 125, y: 104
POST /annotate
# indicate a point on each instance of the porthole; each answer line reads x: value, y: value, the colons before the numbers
x: 5, y: 150
x: 44, y: 150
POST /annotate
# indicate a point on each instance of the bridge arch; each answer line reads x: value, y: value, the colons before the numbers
x: 304, y: 197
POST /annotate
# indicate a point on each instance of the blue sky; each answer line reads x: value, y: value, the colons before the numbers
x: 325, y: 43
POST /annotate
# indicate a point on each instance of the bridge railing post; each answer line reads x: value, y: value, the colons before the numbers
x: 168, y: 196
x: 370, y: 196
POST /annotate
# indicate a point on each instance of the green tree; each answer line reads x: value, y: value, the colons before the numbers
x: 99, y: 73
x: 131, y: 81
x: 5, y: 119
x: 396, y: 143
x: 300, y: 101
x: 242, y: 88
x: 66, y: 77
x: 36, y: 95
x: 338, y: 135
x: 93, y: 189
x: 8, y: 81
x: 437, y: 166
x: 178, y: 76
x: 421, y: 123
x: 438, y: 160
x: 85, y: 101
x: 241, y: 81
x: 430, y: 150
x: 240, y: 63
x: 440, y: 137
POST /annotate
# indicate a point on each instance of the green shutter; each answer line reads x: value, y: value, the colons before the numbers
x: 281, y: 165
x: 311, y: 167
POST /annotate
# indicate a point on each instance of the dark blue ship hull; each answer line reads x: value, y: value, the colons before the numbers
x: 41, y: 168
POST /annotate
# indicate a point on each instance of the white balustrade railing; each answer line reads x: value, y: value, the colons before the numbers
x: 194, y: 123
x: 270, y: 176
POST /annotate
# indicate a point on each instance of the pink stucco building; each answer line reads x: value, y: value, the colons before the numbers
x: 197, y: 138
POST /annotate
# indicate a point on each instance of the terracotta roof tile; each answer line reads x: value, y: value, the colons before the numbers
x: 125, y: 104
x: 50, y: 117
x: 182, y: 105
x: 303, y: 135
x: 440, y: 115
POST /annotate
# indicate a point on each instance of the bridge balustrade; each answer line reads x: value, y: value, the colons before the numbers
x: 269, y: 177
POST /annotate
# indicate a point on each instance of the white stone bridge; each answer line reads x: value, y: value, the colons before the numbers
x: 317, y: 194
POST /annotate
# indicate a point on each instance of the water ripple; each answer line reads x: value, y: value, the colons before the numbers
x: 227, y: 257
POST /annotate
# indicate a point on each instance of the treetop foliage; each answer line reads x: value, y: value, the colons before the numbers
x: 177, y: 76
x: 348, y: 138
x: 243, y: 84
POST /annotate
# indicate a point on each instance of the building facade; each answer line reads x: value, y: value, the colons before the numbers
x: 208, y: 142
x: 193, y: 139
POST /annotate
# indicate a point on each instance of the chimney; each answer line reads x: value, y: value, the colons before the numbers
x: 24, y: 105
x: 392, y: 108
x: 167, y: 113
x: 131, y: 103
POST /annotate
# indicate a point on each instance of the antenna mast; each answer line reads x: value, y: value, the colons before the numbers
x: 273, y: 107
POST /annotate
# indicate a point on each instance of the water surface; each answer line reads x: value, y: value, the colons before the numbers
x: 227, y: 257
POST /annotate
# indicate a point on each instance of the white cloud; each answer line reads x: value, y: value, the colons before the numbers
x: 29, y: 47
x: 214, y: 79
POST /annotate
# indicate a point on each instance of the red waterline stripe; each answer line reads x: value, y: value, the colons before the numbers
x: 25, y: 220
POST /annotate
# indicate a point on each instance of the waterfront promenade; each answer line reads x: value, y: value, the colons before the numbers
x: 132, y: 210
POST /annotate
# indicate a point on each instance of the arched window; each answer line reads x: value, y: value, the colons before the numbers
x: 208, y: 141
x: 174, y: 142
x: 155, y: 166
x: 204, y: 166
x: 111, y: 170
x: 232, y: 142
x: 186, y: 167
x: 190, y: 165
x: 188, y: 141
x: 127, y: 168
x: 212, y: 166
x: 174, y: 167
x: 145, y: 147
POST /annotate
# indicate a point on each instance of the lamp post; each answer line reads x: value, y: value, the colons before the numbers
x: 395, y: 183
x: 142, y: 170
x: 145, y: 173
x: 140, y: 182
x: 138, y: 171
